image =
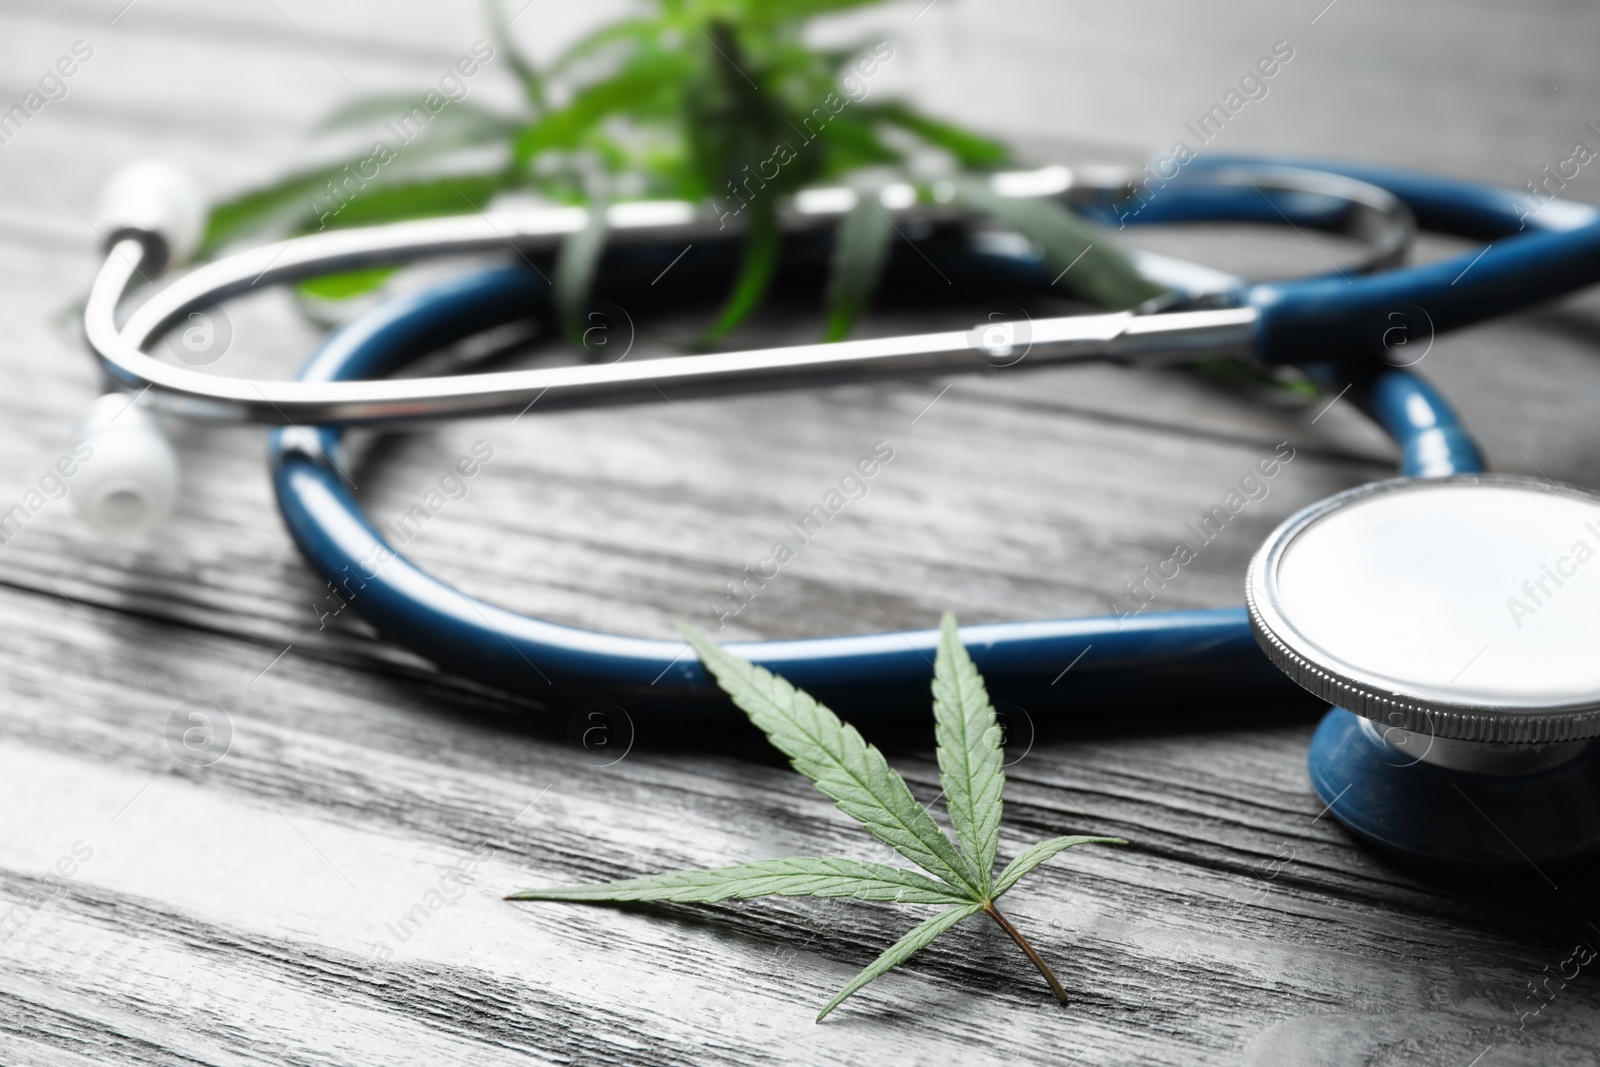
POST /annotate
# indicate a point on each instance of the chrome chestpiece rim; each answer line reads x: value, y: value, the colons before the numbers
x: 1459, y: 608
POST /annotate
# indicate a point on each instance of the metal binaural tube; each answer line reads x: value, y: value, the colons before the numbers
x: 1119, y: 336
x: 1377, y: 217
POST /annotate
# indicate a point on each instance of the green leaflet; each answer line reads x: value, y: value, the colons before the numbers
x: 640, y: 79
x: 860, y: 248
x: 776, y: 10
x: 346, y: 285
x: 295, y: 201
x: 850, y: 772
x: 532, y: 82
x: 917, y: 940
x: 853, y: 143
x: 439, y: 196
x: 575, y: 267
x: 285, y: 200
x: 1088, y: 263
x: 1036, y: 855
x: 733, y: 130
x: 470, y: 122
x: 421, y: 199
x: 761, y: 245
x: 969, y: 149
x: 970, y: 757
x: 640, y: 32
x: 798, y: 876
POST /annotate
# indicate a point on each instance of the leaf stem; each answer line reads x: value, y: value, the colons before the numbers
x: 1022, y: 943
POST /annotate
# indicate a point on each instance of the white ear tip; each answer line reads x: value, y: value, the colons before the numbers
x: 129, y: 481
x: 153, y: 198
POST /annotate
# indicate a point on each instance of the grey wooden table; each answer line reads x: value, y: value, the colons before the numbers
x: 328, y: 891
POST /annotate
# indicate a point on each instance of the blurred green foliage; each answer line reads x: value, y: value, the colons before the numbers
x: 699, y: 100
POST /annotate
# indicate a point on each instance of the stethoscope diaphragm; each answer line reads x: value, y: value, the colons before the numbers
x: 1459, y: 618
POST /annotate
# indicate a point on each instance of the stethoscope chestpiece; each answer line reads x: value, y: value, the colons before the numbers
x: 1455, y: 624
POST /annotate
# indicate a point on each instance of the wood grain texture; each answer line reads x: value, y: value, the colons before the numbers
x: 327, y: 892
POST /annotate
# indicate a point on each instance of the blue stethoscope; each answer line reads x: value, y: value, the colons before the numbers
x: 1390, y: 773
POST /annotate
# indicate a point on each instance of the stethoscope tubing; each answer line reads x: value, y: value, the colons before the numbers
x: 1092, y: 661
x: 1320, y: 323
x: 1143, y: 659
x: 1539, y: 250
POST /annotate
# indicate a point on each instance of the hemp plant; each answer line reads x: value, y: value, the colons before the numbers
x: 690, y: 100
x: 856, y: 777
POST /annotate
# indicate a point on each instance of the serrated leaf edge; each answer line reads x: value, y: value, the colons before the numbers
x: 918, y: 939
x: 792, y: 876
x: 1031, y: 857
x: 973, y: 778
x: 719, y: 661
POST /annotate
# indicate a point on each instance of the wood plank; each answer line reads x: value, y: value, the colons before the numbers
x: 246, y: 861
x: 230, y: 913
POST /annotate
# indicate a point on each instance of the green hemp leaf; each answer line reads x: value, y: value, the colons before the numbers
x: 856, y: 777
x: 717, y: 102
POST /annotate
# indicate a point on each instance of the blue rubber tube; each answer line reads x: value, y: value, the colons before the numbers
x: 1150, y: 657
x: 1433, y: 442
x: 1541, y: 250
x: 1147, y: 659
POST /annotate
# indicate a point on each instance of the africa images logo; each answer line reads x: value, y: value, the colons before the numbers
x: 1537, y: 592
x: 1252, y: 486
x: 853, y: 485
